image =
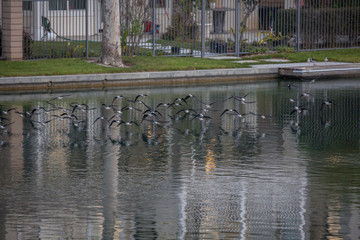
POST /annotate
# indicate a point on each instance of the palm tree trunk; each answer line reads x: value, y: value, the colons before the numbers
x: 111, y: 39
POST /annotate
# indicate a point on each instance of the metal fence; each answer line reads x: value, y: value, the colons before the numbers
x: 73, y: 28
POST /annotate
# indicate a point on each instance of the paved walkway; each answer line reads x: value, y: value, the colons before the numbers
x: 256, y: 72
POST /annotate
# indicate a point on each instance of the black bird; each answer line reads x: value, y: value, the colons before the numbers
x: 8, y: 110
x: 117, y: 97
x: 163, y: 105
x: 146, y: 115
x: 186, y: 111
x: 149, y: 109
x: 174, y: 103
x: 130, y: 108
x: 152, y: 112
x: 115, y: 121
x: 81, y: 106
x: 189, y: 96
x: 33, y: 122
x: 136, y: 98
x: 3, y: 126
x: 179, y: 100
x: 2, y: 119
x: 207, y: 105
x: 231, y: 110
x: 26, y: 114
x: 66, y: 115
x: 201, y: 117
x: 239, y: 98
x: 101, y: 118
x: 108, y: 107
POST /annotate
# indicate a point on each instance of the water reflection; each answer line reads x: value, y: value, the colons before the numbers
x: 211, y: 165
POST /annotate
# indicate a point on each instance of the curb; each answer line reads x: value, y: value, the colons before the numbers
x: 138, y: 78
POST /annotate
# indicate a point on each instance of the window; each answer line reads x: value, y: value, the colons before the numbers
x: 77, y: 4
x: 27, y: 6
x: 57, y: 5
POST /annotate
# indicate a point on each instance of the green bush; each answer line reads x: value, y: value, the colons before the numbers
x: 256, y: 50
x: 27, y: 45
x: 0, y: 42
x: 321, y: 27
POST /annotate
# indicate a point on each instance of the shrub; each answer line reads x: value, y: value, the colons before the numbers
x: 0, y: 42
x: 321, y: 27
x: 256, y: 50
x: 27, y: 45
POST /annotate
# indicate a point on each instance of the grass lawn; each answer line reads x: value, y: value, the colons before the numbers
x: 67, y: 66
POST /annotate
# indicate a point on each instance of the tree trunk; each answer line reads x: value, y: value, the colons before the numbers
x: 111, y: 39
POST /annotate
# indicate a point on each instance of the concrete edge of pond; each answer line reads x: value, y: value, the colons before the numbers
x: 256, y: 73
x: 136, y: 79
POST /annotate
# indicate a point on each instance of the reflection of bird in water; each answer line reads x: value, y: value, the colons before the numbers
x: 305, y: 94
x: 130, y: 123
x: 326, y: 124
x: 311, y: 80
x: 261, y: 115
x: 327, y: 103
x: 157, y: 122
x: 299, y: 110
x: 60, y: 97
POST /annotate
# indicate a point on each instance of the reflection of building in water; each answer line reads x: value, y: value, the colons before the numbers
x: 184, y: 185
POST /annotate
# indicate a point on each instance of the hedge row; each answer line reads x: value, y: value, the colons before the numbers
x: 323, y: 26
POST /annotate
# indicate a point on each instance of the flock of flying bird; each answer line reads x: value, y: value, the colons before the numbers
x: 188, y: 107
x: 155, y: 114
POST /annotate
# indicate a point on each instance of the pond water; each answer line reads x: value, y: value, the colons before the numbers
x: 264, y: 170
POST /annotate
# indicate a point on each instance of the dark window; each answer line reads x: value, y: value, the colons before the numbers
x: 77, y: 4
x: 57, y: 4
x: 27, y: 6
